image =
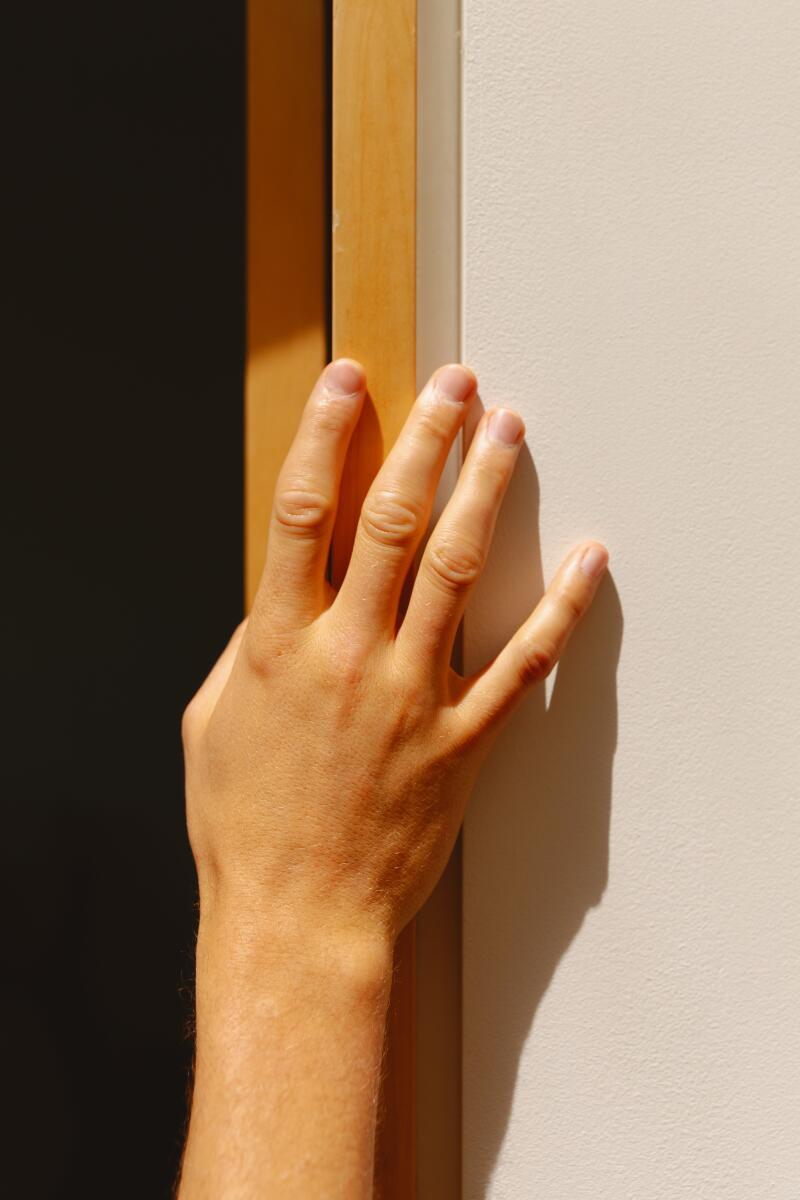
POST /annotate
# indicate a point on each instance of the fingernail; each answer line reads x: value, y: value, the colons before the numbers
x: 594, y: 561
x: 345, y: 376
x: 505, y: 427
x: 455, y: 382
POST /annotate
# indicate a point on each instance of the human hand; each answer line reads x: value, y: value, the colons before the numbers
x: 331, y: 751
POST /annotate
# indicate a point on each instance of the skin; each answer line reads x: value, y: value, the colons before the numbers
x: 329, y: 757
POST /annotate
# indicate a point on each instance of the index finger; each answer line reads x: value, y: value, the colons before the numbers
x: 292, y: 587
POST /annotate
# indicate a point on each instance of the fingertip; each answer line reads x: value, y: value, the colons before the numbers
x: 505, y: 427
x: 345, y: 376
x: 456, y: 382
x: 593, y: 560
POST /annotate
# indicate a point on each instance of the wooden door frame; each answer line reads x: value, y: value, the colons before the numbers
x: 374, y: 89
x: 341, y: 242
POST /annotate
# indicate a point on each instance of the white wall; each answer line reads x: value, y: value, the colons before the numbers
x: 631, y: 282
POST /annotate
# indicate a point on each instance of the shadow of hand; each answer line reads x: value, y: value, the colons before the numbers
x: 536, y: 839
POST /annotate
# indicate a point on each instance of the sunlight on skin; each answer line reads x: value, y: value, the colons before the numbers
x: 329, y: 757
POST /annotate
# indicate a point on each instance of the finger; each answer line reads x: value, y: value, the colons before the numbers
x: 457, y: 549
x: 397, y: 508
x: 292, y: 589
x: 535, y: 648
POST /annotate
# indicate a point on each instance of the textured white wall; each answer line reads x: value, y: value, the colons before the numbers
x: 631, y: 282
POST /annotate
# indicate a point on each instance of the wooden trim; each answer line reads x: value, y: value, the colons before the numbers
x: 374, y: 306
x: 374, y: 320
x: 287, y: 243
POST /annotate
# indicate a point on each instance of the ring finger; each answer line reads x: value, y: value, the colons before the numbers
x: 457, y: 550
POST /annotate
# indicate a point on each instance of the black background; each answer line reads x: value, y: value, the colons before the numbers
x: 123, y: 227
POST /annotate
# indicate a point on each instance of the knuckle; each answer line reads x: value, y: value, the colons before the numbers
x: 456, y: 565
x: 433, y: 420
x: 467, y: 734
x: 344, y: 677
x: 257, y: 654
x: 390, y: 520
x: 538, y: 660
x: 267, y: 645
x: 328, y: 415
x: 302, y: 511
x: 492, y: 474
x: 345, y: 659
x: 571, y: 603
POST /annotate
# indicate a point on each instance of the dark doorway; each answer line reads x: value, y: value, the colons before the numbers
x: 124, y: 193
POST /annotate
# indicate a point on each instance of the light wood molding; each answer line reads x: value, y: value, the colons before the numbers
x: 287, y: 243
x: 374, y: 305
x: 374, y: 320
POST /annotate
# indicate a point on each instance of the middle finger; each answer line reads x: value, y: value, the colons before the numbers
x: 398, y: 505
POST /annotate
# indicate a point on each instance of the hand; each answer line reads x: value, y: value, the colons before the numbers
x: 330, y: 752
x: 329, y: 756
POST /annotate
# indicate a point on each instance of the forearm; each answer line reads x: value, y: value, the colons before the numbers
x: 290, y: 1032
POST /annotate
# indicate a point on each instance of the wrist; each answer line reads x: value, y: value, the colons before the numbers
x: 285, y: 947
x: 290, y: 1019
